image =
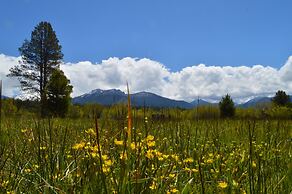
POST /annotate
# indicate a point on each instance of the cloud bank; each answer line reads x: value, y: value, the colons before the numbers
x: 207, y: 82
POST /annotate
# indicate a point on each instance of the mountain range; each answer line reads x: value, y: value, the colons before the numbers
x: 4, y: 97
x: 140, y: 99
x: 256, y: 102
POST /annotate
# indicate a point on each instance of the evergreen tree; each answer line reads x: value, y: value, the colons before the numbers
x: 281, y: 98
x: 40, y: 56
x: 227, y: 108
x: 58, y: 93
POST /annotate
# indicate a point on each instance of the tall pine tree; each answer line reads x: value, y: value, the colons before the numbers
x: 40, y: 56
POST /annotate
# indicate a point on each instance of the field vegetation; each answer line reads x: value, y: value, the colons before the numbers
x: 92, y: 150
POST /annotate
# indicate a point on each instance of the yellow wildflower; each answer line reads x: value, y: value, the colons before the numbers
x: 151, y: 143
x: 254, y: 165
x: 94, y: 148
x: 123, y: 156
x: 234, y: 183
x: 243, y: 191
x: 195, y: 170
x: 157, y: 153
x: 79, y: 146
x: 43, y: 147
x: 93, y: 154
x: 105, y: 169
x: 133, y: 146
x: 150, y: 138
x: 149, y: 154
x: 108, y: 162
x: 119, y: 143
x: 27, y: 170
x: 188, y: 160
x: 175, y: 157
x: 222, y: 184
x: 36, y: 166
x: 104, y: 157
x: 153, y: 186
x: 4, y: 183
x: 210, y: 161
x: 91, y: 132
x: 173, y: 190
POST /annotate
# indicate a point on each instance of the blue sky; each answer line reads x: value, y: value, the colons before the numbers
x: 175, y: 33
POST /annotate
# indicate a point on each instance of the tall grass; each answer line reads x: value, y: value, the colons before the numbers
x: 0, y: 104
x: 163, y: 156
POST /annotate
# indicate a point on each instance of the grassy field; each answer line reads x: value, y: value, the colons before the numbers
x: 161, y: 156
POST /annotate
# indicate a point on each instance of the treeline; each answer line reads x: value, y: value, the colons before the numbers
x: 19, y: 108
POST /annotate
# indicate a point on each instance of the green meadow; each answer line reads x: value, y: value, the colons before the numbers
x: 109, y: 151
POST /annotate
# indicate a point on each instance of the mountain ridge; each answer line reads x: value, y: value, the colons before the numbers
x: 139, y: 99
x: 148, y: 99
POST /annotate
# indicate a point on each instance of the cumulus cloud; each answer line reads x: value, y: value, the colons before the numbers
x: 286, y: 71
x: 142, y: 75
x: 207, y: 82
x: 10, y: 85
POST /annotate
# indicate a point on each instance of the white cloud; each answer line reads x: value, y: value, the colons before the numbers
x: 142, y: 74
x: 286, y: 71
x: 209, y: 82
x: 10, y: 85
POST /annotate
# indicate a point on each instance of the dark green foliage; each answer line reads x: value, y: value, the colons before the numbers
x: 281, y: 98
x: 227, y: 108
x: 40, y: 56
x: 58, y: 93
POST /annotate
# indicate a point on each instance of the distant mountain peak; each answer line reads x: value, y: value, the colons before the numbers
x: 100, y: 91
x: 95, y: 91
x: 144, y: 93
x: 259, y: 100
x: 199, y: 102
x: 114, y: 96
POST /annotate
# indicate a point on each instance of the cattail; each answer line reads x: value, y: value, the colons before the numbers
x: 129, y: 115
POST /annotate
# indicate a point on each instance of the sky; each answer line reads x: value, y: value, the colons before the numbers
x: 206, y: 43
